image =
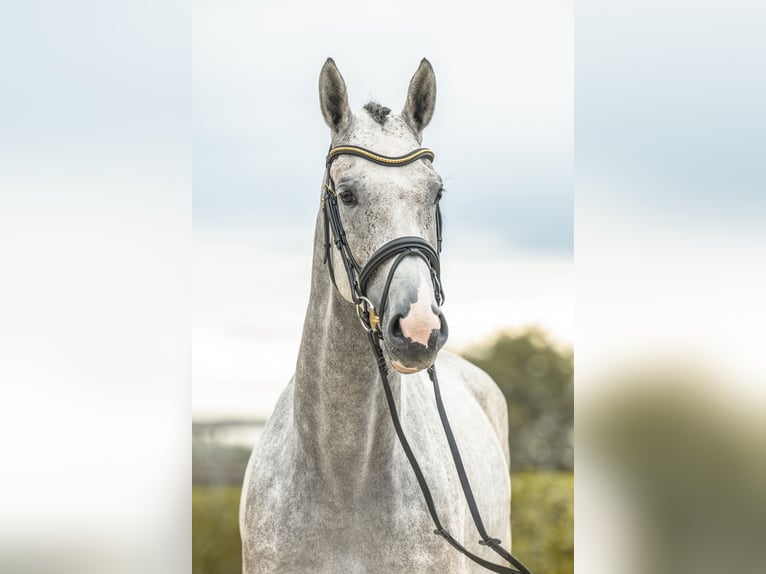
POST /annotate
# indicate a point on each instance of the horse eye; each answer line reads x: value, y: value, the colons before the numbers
x: 347, y: 197
x: 439, y: 194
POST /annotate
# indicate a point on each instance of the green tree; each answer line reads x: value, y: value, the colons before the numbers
x: 535, y: 375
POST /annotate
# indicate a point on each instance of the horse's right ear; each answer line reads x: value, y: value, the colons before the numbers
x: 333, y: 97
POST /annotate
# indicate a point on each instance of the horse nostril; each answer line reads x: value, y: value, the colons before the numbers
x: 396, y: 328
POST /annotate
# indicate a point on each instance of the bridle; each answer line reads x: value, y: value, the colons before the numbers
x: 401, y: 247
x: 358, y: 280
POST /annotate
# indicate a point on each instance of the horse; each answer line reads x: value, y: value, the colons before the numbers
x: 328, y: 489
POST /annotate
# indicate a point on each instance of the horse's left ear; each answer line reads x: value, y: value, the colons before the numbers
x: 421, y: 98
x: 333, y: 97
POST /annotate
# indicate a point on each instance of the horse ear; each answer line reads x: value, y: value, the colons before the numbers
x: 421, y: 98
x: 333, y: 97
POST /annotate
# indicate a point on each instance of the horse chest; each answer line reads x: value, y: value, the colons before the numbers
x: 298, y: 521
x: 375, y: 530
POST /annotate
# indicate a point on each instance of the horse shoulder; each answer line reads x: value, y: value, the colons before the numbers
x: 485, y: 391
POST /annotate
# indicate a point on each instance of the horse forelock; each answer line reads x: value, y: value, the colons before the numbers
x: 377, y: 112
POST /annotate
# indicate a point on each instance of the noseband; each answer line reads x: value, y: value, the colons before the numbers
x: 359, y: 276
x: 358, y: 280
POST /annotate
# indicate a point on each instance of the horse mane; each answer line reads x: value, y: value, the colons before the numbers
x: 378, y: 112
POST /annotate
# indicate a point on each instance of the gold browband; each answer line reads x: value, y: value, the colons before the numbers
x: 359, y: 151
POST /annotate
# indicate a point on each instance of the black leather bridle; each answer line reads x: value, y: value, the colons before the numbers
x: 358, y: 280
x: 401, y: 247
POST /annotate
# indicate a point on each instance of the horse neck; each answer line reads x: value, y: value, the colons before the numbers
x: 341, y: 414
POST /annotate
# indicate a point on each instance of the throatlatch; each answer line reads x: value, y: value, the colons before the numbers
x: 358, y: 279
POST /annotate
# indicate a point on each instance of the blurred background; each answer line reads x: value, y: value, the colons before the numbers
x: 671, y: 320
x: 502, y: 133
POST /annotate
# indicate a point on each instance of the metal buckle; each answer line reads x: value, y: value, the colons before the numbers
x: 366, y: 310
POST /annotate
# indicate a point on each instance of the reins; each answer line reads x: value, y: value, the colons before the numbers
x: 358, y: 278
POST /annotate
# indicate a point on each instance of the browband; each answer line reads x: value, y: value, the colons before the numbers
x: 377, y: 158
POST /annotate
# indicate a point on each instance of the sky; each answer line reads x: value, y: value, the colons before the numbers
x: 502, y: 133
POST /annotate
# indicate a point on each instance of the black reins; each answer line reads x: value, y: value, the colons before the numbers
x: 358, y: 279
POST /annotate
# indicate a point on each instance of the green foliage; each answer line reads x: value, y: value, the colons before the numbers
x: 536, y: 378
x: 542, y: 519
x: 216, y: 545
x: 688, y: 462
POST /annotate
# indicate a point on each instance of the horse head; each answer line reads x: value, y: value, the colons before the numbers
x: 376, y: 202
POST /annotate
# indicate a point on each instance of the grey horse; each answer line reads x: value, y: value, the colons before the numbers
x: 328, y: 488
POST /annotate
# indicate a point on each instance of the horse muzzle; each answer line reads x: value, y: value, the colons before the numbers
x: 413, y: 340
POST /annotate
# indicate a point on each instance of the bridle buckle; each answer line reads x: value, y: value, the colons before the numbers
x: 368, y: 317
